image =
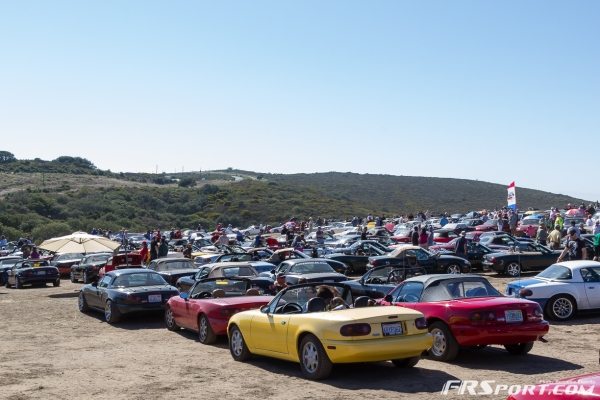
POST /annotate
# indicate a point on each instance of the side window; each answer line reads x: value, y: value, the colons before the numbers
x: 421, y: 255
x: 104, y: 282
x: 410, y: 292
x: 590, y: 274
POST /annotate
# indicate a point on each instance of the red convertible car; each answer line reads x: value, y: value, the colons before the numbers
x: 209, y: 304
x: 467, y: 311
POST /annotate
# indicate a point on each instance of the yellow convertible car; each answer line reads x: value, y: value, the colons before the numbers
x: 319, y: 324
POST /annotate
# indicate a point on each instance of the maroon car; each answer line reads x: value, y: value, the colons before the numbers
x: 210, y: 303
x: 64, y: 262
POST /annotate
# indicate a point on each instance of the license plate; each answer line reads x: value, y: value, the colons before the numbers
x: 513, y: 316
x: 40, y: 272
x: 392, y: 329
x: 154, y: 298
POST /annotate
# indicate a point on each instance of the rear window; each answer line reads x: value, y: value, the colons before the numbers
x: 556, y: 271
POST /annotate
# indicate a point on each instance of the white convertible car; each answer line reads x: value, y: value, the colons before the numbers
x: 562, y: 289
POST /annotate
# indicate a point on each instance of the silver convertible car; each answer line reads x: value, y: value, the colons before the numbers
x: 562, y: 289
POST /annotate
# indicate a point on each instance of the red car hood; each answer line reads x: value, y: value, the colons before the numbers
x: 485, y: 302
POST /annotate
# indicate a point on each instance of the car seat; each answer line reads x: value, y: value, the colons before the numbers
x: 218, y: 293
x: 252, y: 292
x: 316, y: 304
x: 361, y: 301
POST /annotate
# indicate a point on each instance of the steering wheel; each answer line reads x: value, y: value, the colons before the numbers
x: 203, y: 295
x: 375, y: 280
x: 291, y: 308
x: 395, y: 277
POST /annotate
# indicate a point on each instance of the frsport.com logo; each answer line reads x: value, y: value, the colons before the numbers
x: 482, y: 388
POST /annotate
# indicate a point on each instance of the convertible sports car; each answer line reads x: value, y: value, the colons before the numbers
x: 172, y: 269
x: 32, y: 272
x: 512, y: 263
x: 206, y: 309
x: 310, y: 270
x: 304, y: 324
x: 562, y: 289
x: 378, y: 281
x: 126, y: 291
x: 226, y: 270
x: 6, y: 263
x: 356, y: 257
x: 466, y: 310
x: 87, y: 269
x: 415, y: 256
x: 64, y: 262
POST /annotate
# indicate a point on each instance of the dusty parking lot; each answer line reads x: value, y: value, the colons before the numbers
x: 50, y: 350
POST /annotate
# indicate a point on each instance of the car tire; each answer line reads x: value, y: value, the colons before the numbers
x: 18, y: 284
x: 73, y: 280
x: 453, y: 269
x: 82, y: 303
x: 237, y: 345
x: 170, y: 320
x: 445, y: 347
x: 314, y: 362
x: 406, y: 362
x: 513, y: 269
x: 205, y: 333
x: 56, y: 283
x: 111, y: 313
x: 561, y: 307
x: 519, y: 349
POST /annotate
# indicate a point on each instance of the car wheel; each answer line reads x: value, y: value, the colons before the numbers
x: 82, y: 303
x: 18, y: 284
x: 85, y: 278
x: 170, y: 320
x: 205, y: 332
x: 406, y: 362
x: 453, y: 269
x: 313, y: 359
x: 237, y: 345
x: 513, y: 269
x: 445, y: 347
x: 561, y: 307
x: 73, y: 278
x: 111, y: 314
x: 519, y: 349
x: 56, y: 283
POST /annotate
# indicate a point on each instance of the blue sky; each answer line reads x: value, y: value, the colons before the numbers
x: 494, y: 91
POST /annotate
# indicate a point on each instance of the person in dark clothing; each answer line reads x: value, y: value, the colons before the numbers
x: 574, y: 248
x: 414, y: 237
x: 363, y: 234
x: 163, y: 248
x: 154, y: 249
x: 460, y: 248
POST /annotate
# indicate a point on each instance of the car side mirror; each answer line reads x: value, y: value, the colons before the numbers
x: 264, y: 309
x: 184, y: 295
x: 388, y: 298
x: 95, y: 284
x: 272, y: 271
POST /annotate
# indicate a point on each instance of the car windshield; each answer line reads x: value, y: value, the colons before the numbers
x: 530, y: 221
x: 68, y: 256
x: 310, y: 268
x: 459, y: 288
x: 296, y: 299
x: 98, y: 258
x: 35, y: 264
x: 231, y: 287
x: 556, y: 271
x: 138, y: 279
x: 175, y: 265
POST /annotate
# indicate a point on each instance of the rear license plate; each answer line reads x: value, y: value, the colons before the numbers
x: 392, y: 329
x: 40, y: 272
x: 154, y: 298
x: 513, y: 316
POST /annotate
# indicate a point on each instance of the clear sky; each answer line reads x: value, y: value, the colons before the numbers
x: 489, y: 90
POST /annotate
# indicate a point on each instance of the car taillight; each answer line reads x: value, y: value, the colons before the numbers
x: 492, y: 259
x: 355, y: 330
x: 228, y: 312
x: 481, y: 317
x: 536, y: 315
x: 421, y: 323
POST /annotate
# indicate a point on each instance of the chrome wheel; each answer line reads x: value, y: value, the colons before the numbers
x: 562, y: 308
x: 237, y: 343
x: 453, y: 269
x: 203, y: 329
x: 513, y: 269
x: 108, y: 311
x: 310, y: 357
x: 170, y: 320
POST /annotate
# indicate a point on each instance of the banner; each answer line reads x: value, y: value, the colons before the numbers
x: 511, y: 199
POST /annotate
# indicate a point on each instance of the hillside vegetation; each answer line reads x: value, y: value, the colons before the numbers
x: 38, y: 200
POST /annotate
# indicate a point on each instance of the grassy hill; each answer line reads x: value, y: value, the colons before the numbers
x: 39, y: 201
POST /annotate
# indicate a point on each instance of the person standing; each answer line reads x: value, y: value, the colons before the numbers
x: 460, y: 248
x: 187, y: 252
x: 423, y: 237
x: 574, y: 248
x: 542, y: 235
x: 320, y: 236
x: 554, y: 237
x: 144, y: 253
x: 163, y: 248
x: 414, y: 236
x: 154, y: 248
x: 596, y: 241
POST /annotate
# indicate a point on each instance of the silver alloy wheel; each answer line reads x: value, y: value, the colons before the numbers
x: 80, y: 301
x: 237, y: 342
x: 513, y: 269
x: 108, y: 311
x: 85, y: 277
x: 453, y: 269
x: 310, y: 357
x: 439, y: 342
x: 562, y: 307
x: 169, y: 317
x: 203, y: 329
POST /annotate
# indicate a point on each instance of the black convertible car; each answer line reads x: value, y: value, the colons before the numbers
x: 309, y: 269
x: 356, y: 257
x: 378, y: 281
x: 512, y: 263
x: 126, y: 291
x: 87, y: 269
x: 172, y: 269
x: 32, y: 272
x: 414, y: 256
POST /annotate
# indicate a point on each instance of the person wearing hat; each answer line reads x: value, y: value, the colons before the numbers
x: 574, y: 248
x: 460, y: 248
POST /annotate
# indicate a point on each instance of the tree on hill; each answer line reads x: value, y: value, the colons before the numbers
x: 6, y: 157
x: 78, y: 161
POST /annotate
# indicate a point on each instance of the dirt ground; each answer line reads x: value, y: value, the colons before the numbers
x: 52, y: 351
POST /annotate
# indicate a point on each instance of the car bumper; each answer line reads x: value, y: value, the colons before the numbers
x: 134, y: 308
x: 508, y: 334
x: 493, y: 266
x: 382, y: 349
x: 38, y: 280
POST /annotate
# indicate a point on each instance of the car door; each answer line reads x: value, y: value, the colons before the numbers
x: 591, y: 279
x: 98, y: 293
x: 425, y: 260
